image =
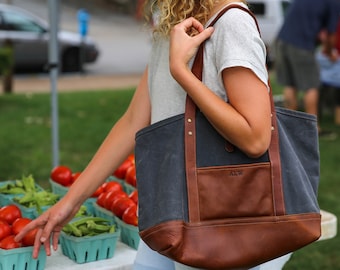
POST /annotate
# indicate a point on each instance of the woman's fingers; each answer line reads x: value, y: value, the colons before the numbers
x: 49, y: 229
x: 39, y: 222
x: 37, y: 245
x: 185, y: 28
x: 204, y: 35
x: 55, y: 239
x: 190, y: 23
x: 183, y: 45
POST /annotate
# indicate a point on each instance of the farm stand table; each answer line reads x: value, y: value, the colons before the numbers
x: 122, y: 259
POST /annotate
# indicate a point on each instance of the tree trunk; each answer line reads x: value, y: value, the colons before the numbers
x: 7, y: 82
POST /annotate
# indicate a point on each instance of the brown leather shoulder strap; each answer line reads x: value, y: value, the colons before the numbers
x: 190, y: 139
x: 224, y: 10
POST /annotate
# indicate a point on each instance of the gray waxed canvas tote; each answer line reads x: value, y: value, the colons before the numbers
x: 204, y: 203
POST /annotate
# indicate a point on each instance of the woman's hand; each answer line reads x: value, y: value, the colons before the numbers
x: 49, y: 224
x: 183, y: 45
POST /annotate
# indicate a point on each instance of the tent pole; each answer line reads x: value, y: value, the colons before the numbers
x: 53, y: 69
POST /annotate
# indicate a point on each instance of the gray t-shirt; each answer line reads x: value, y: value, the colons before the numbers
x: 235, y: 42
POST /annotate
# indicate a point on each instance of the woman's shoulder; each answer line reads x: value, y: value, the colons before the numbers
x: 236, y: 14
x: 236, y: 22
x: 236, y: 9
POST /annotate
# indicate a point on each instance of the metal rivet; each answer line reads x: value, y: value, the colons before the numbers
x: 189, y: 120
x: 190, y: 133
x: 273, y: 128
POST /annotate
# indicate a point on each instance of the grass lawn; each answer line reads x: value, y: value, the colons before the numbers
x: 84, y: 120
x: 25, y: 137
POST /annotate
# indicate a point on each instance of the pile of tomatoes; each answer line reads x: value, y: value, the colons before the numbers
x: 110, y: 195
x: 120, y: 203
x: 64, y: 176
x: 127, y: 171
x: 11, y: 223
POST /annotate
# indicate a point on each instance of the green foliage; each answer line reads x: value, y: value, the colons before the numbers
x: 25, y: 134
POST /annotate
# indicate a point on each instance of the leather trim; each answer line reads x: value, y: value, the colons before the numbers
x: 183, y: 241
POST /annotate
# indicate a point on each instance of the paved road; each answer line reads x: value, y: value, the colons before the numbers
x: 124, y: 45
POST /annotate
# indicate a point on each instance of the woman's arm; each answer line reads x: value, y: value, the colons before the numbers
x: 118, y: 144
x: 246, y: 120
x: 116, y: 147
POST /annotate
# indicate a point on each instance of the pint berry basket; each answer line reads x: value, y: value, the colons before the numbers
x: 104, y: 213
x: 129, y: 233
x: 57, y: 188
x: 7, y: 198
x: 62, y: 190
x: 89, y: 248
x: 21, y: 258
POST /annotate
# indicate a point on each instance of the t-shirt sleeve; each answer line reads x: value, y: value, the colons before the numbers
x: 239, y: 44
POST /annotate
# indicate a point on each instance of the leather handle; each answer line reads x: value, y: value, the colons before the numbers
x: 190, y: 140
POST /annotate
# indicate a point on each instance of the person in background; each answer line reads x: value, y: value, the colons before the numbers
x: 337, y: 95
x: 330, y: 75
x: 234, y: 96
x: 296, y: 67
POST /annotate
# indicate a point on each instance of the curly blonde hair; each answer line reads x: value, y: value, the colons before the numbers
x: 172, y: 12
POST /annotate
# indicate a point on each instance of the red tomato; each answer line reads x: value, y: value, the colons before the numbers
x: 9, y: 242
x: 75, y: 176
x: 9, y: 213
x: 19, y: 224
x: 29, y: 238
x: 112, y: 186
x: 99, y: 191
x: 101, y: 199
x: 130, y: 176
x: 120, y: 205
x: 131, y: 157
x: 130, y: 215
x: 62, y: 175
x: 121, y: 170
x: 134, y: 196
x: 5, y: 229
x: 112, y: 196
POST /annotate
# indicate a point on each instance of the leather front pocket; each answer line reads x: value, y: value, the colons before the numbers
x: 235, y: 191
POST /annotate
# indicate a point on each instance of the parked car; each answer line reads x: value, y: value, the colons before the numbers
x: 270, y: 16
x: 29, y: 36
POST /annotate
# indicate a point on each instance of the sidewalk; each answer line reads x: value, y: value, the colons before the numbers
x: 77, y: 82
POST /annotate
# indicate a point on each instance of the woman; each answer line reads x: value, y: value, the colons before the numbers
x: 234, y: 71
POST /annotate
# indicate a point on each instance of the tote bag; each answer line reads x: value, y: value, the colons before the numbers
x: 204, y: 203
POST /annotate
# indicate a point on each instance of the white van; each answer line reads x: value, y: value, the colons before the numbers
x: 270, y: 16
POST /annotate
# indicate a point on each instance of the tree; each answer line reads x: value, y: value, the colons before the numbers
x: 6, y: 66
